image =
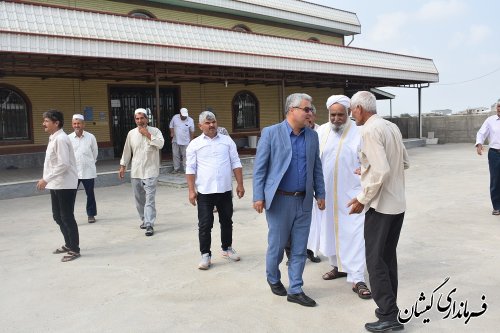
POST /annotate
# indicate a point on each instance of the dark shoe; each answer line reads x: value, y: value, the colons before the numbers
x: 70, y: 256
x: 383, y: 326
x: 149, y: 231
x: 334, y: 274
x: 91, y: 219
x: 142, y: 226
x: 495, y: 212
x: 301, y: 299
x: 277, y: 288
x: 310, y: 255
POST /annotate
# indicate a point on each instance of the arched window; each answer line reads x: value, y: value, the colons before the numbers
x: 241, y: 28
x: 141, y: 13
x: 313, y: 39
x: 15, y: 115
x: 245, y: 111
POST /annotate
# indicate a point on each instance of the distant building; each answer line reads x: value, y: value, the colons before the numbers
x: 475, y: 110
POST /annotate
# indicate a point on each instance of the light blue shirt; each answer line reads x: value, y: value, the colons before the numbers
x: 294, y: 179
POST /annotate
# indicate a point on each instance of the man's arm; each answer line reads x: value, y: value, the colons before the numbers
x: 261, y: 164
x: 238, y: 174
x: 95, y: 148
x: 481, y: 136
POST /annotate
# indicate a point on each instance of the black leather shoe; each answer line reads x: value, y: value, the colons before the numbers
x: 277, y: 288
x: 142, y: 226
x: 149, y: 231
x: 384, y: 326
x: 310, y: 255
x: 301, y: 299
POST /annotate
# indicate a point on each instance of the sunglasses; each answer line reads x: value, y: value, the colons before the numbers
x: 306, y: 109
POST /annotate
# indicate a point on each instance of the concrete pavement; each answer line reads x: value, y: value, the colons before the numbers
x: 126, y: 282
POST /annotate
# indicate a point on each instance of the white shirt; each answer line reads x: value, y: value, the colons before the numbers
x: 86, y: 151
x: 144, y: 153
x: 182, y: 129
x: 212, y: 161
x: 490, y: 130
x: 59, y: 167
x: 383, y: 160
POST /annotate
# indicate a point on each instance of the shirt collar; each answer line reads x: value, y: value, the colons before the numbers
x: 290, y: 130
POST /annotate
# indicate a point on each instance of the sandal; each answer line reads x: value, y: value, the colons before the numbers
x: 62, y: 249
x: 334, y: 274
x: 71, y: 256
x: 362, y: 290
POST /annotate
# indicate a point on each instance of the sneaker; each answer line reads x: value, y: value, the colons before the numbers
x: 205, y: 261
x: 142, y: 226
x: 91, y: 219
x: 149, y: 230
x: 230, y: 254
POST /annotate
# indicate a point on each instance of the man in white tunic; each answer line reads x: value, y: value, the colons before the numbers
x: 142, y: 149
x: 335, y: 233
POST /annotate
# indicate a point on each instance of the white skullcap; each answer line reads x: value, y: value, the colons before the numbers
x: 341, y: 99
x: 140, y: 110
x: 78, y: 116
x: 184, y: 112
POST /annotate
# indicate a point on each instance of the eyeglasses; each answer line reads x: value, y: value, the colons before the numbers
x: 306, y: 109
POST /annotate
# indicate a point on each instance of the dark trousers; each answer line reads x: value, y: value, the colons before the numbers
x: 88, y: 185
x: 63, y: 206
x: 381, y: 239
x: 206, y: 204
x: 494, y: 163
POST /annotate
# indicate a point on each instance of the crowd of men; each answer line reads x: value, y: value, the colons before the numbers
x: 335, y: 189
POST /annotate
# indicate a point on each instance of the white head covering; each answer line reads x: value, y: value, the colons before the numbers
x: 140, y: 110
x: 341, y: 99
x: 184, y: 112
x: 78, y: 116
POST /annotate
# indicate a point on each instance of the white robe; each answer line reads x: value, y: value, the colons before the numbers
x: 334, y: 232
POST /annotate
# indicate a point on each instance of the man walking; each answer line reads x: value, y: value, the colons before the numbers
x: 491, y: 130
x: 61, y: 178
x: 181, y: 133
x: 287, y: 175
x: 85, y: 147
x: 383, y: 160
x: 334, y: 232
x: 211, y: 159
x: 142, y: 149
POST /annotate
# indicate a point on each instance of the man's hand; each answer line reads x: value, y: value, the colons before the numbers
x: 357, y: 171
x: 321, y: 204
x: 240, y: 191
x: 40, y: 186
x: 121, y: 172
x: 356, y: 206
x: 479, y: 149
x: 144, y: 131
x: 192, y: 197
x: 259, y: 206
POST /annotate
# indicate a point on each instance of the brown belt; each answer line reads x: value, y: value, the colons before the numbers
x: 292, y: 194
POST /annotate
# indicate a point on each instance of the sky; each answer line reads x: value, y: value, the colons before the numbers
x: 462, y: 37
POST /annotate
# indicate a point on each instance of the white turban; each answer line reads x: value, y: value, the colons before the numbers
x: 140, y: 110
x: 341, y: 99
x: 78, y: 116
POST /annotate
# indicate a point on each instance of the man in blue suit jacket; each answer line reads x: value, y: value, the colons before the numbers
x: 287, y: 175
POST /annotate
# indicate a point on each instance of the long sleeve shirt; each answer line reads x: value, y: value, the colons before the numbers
x: 383, y: 160
x: 59, y: 167
x: 86, y: 150
x: 143, y: 153
x: 212, y: 161
x: 490, y: 130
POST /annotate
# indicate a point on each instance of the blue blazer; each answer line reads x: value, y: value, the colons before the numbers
x: 274, y: 153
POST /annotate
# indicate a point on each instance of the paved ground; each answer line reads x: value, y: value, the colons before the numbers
x: 125, y: 282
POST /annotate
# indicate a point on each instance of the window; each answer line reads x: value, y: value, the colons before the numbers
x: 15, y: 115
x: 141, y: 13
x: 241, y: 28
x: 245, y: 111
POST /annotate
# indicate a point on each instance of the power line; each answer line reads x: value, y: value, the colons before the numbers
x: 470, y: 80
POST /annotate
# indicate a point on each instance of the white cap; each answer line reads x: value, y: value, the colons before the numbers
x: 78, y: 116
x: 140, y: 110
x: 184, y: 112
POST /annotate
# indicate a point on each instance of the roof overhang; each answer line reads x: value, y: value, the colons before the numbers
x: 69, y: 41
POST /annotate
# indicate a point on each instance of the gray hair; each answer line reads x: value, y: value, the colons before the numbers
x: 294, y: 100
x: 313, y: 109
x: 366, y: 100
x: 206, y: 115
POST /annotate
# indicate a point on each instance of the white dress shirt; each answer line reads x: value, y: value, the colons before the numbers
x: 86, y: 151
x: 383, y: 160
x: 59, y: 167
x: 143, y: 153
x: 182, y: 129
x: 490, y: 130
x: 212, y: 161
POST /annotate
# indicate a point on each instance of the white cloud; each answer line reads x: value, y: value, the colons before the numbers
x: 388, y: 27
x: 440, y: 10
